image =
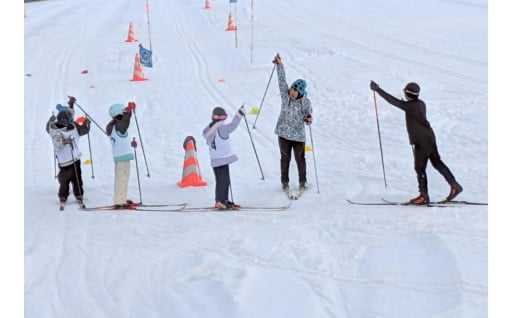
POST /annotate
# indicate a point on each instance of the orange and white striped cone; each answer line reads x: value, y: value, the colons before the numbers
x: 231, y: 23
x: 191, y: 176
x: 207, y: 5
x: 131, y: 34
x: 138, y: 70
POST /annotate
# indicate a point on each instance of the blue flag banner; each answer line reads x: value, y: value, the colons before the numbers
x: 145, y: 57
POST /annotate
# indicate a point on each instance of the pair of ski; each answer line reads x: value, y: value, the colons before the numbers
x: 442, y: 203
x: 294, y: 195
x: 63, y: 205
x: 181, y: 207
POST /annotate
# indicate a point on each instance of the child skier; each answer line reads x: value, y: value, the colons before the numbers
x: 295, y: 111
x: 65, y: 135
x: 221, y: 154
x: 117, y: 130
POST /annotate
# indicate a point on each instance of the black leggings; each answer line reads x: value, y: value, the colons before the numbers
x: 286, y: 146
x: 222, y: 182
x: 422, y: 154
x: 68, y: 175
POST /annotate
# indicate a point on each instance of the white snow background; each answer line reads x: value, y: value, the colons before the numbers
x: 323, y: 257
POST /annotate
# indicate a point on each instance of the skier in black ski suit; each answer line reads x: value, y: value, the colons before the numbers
x: 422, y: 138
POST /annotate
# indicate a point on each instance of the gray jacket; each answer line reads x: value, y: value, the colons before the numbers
x: 290, y: 124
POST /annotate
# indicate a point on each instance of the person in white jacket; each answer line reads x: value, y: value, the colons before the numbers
x: 65, y: 135
x: 221, y: 153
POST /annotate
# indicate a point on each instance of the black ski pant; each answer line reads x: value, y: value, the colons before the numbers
x: 222, y: 183
x: 286, y: 146
x: 70, y: 174
x: 424, y: 153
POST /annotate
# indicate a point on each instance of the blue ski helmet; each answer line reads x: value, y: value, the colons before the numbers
x: 300, y: 86
x: 61, y: 108
x: 116, y: 109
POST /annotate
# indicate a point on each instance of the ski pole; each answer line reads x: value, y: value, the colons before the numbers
x: 265, y: 94
x: 89, y: 116
x: 134, y: 145
x: 54, y: 154
x: 80, y: 122
x: 314, y: 160
x: 380, y: 142
x: 90, y: 155
x: 78, y: 183
x: 141, y: 145
x: 55, y: 165
x: 254, y: 148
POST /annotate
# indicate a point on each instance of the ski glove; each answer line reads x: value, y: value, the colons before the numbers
x: 308, y: 119
x: 277, y: 59
x: 134, y: 143
x: 130, y: 107
x: 241, y: 111
x: 71, y: 102
x: 374, y: 86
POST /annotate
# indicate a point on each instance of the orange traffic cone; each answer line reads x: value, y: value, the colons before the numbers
x: 207, y: 5
x: 191, y: 175
x: 138, y: 71
x: 131, y: 34
x: 231, y: 23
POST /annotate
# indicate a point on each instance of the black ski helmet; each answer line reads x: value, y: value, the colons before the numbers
x: 412, y: 90
x: 219, y: 113
x: 63, y: 119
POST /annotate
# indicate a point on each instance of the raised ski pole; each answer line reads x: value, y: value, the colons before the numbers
x: 265, y: 94
x: 134, y: 145
x: 141, y: 145
x: 380, y: 142
x: 314, y: 160
x: 253, y: 147
x: 90, y: 151
x: 54, y: 155
x: 89, y: 116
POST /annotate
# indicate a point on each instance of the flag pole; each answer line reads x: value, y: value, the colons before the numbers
x: 236, y: 29
x: 149, y: 26
x: 252, y: 26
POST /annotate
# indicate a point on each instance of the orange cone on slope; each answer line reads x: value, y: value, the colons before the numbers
x: 131, y: 34
x: 231, y: 23
x: 191, y: 176
x: 207, y: 5
x: 138, y: 71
